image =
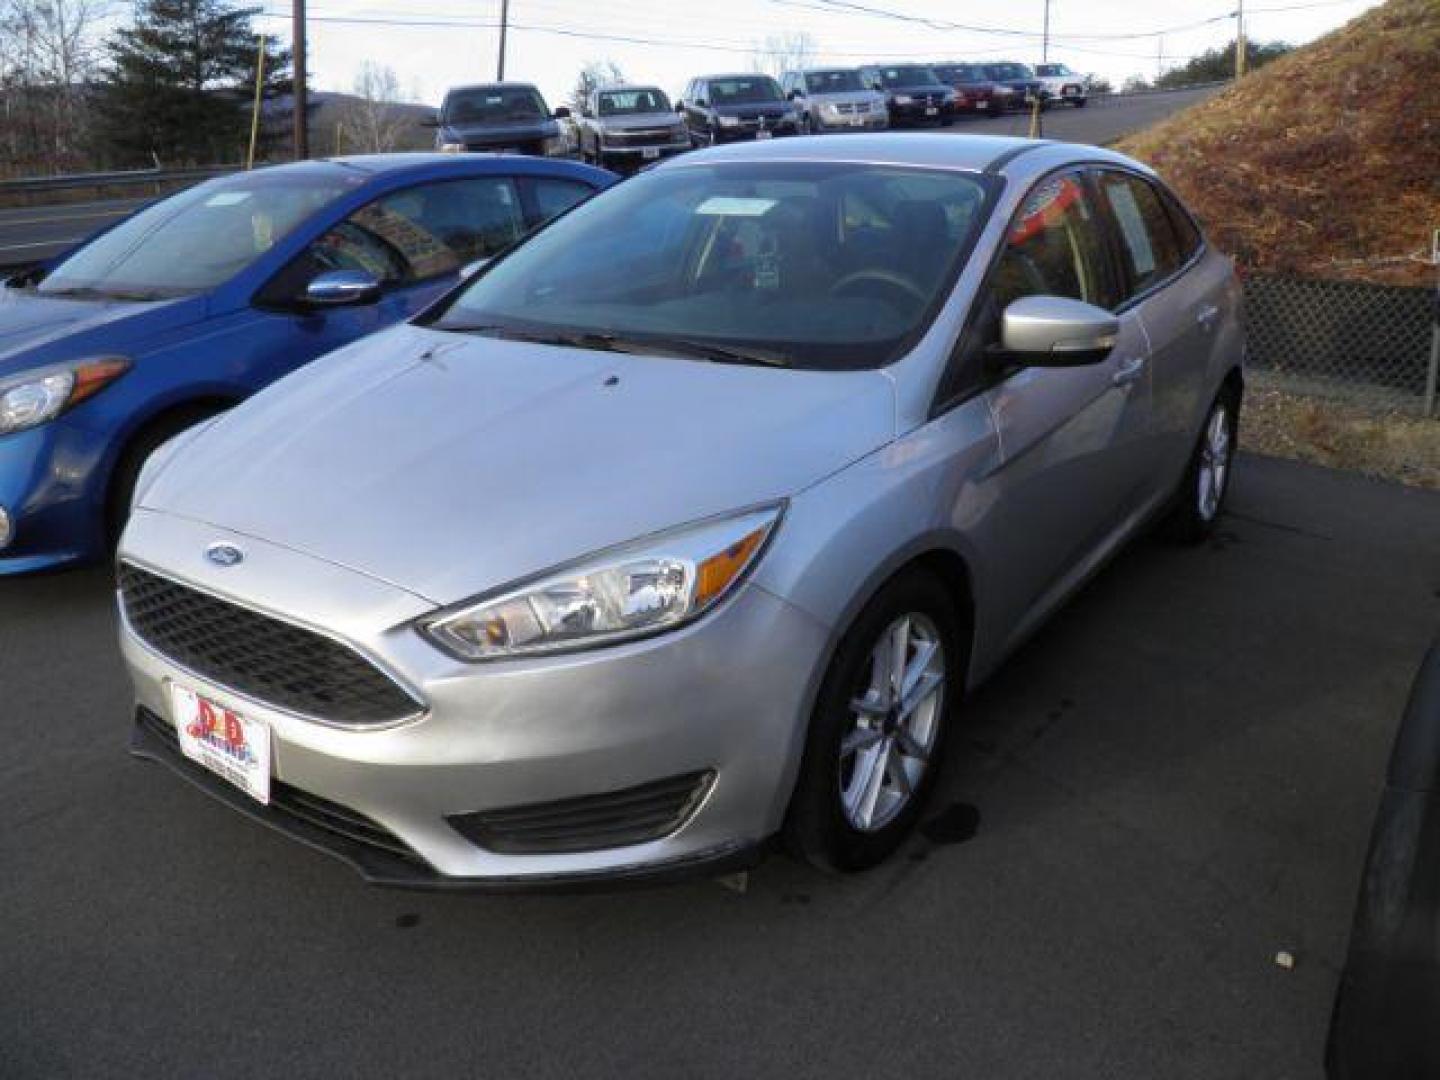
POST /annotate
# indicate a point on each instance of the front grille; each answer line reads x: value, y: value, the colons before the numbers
x: 590, y: 822
x: 642, y: 137
x: 263, y: 658
x: 301, y: 806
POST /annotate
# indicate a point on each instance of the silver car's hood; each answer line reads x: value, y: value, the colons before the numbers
x: 449, y: 465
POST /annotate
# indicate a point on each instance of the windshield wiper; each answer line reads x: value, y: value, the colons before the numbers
x: 597, y: 341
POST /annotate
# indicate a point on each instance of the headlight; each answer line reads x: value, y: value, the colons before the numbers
x: 452, y: 147
x: 728, y: 121
x: 902, y: 99
x: 37, y: 397
x: 1004, y: 91
x: 641, y: 588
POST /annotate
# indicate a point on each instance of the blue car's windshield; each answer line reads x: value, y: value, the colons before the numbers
x: 199, y: 238
x: 820, y: 265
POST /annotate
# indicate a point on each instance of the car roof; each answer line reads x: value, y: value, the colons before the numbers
x: 735, y: 75
x: 507, y: 85
x: 966, y: 153
x: 390, y: 170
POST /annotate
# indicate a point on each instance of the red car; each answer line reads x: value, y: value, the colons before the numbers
x: 974, y: 91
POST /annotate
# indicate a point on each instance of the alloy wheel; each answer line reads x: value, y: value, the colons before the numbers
x: 1214, y: 468
x: 894, y: 723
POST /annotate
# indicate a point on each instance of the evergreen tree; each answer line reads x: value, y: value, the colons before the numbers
x: 180, y: 83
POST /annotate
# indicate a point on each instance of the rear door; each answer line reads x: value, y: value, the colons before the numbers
x: 1178, y: 304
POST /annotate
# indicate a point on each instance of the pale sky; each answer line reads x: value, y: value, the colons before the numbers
x: 694, y: 38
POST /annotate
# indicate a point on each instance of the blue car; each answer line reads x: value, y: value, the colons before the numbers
x: 199, y: 300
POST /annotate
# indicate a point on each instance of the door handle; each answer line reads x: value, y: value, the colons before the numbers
x: 1129, y: 371
x: 1207, y: 315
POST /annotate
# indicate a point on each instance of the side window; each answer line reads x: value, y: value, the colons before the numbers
x: 553, y: 197
x: 440, y: 227
x: 1185, y: 229
x: 1056, y: 247
x: 1148, y: 245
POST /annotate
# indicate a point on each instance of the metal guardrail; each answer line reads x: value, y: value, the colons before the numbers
x: 72, y: 181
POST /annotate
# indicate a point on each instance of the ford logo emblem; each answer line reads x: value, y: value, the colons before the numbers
x: 224, y: 554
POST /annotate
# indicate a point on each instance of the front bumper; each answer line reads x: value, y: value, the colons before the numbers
x: 920, y: 114
x: 511, y: 734
x: 632, y: 155
x: 749, y: 132
x: 871, y: 121
x: 48, y: 487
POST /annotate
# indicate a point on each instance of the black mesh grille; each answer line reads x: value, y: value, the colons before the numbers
x: 310, y: 809
x: 590, y: 822
x: 263, y: 658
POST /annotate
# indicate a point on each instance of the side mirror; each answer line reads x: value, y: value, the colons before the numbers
x: 679, y: 106
x: 342, y: 288
x: 794, y: 95
x: 1054, y: 331
x: 430, y: 122
x: 700, y: 103
x: 562, y: 113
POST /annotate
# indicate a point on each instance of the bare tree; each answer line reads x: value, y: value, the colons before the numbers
x: 372, y: 124
x: 593, y: 76
x: 47, y: 57
x: 780, y: 53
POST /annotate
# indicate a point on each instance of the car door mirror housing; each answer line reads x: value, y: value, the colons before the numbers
x: 562, y: 113
x: 700, y: 103
x: 1056, y: 331
x: 680, y: 106
x: 342, y: 288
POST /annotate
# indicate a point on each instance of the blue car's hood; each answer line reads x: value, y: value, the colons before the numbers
x: 37, y: 329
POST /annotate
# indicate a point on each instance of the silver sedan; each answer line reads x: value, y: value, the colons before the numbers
x: 688, y: 523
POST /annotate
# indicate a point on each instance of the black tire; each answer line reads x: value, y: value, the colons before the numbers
x: 1192, y: 518
x: 817, y: 828
x: 133, y: 458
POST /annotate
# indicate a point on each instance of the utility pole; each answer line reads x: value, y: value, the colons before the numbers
x: 302, y: 126
x: 1045, y: 41
x: 504, y: 25
x: 1240, y: 39
x: 1159, y: 57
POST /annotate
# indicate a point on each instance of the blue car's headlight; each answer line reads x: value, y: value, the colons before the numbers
x: 630, y: 591
x: 37, y: 397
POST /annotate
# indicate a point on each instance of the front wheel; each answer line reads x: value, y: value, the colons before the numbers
x: 876, y: 737
x: 1207, y: 479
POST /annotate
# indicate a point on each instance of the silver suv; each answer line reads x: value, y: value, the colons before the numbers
x: 835, y: 99
x: 627, y: 126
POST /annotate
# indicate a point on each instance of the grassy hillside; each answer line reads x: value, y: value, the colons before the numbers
x: 1326, y: 162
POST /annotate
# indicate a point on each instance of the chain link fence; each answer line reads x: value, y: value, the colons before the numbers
x: 1370, y: 344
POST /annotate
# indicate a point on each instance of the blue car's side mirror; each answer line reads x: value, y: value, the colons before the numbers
x: 341, y: 288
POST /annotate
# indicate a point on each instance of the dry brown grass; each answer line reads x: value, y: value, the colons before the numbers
x: 1386, y: 444
x: 1325, y: 162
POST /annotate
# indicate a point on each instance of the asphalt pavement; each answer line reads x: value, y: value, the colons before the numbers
x: 1173, y: 781
x: 32, y: 234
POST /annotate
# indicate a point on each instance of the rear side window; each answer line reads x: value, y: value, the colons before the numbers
x: 553, y: 197
x: 1056, y: 247
x: 1149, y: 248
x: 1186, y: 232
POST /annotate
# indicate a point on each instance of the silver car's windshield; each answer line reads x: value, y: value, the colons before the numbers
x: 197, y: 239
x: 821, y: 265
x: 844, y: 80
x: 633, y: 102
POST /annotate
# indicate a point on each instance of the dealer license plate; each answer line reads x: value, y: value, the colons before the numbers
x: 762, y: 134
x: 931, y: 112
x: 649, y: 153
x: 230, y: 745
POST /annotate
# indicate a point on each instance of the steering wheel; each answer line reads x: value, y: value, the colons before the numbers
x: 883, y: 277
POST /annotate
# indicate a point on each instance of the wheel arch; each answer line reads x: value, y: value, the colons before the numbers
x: 176, y: 414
